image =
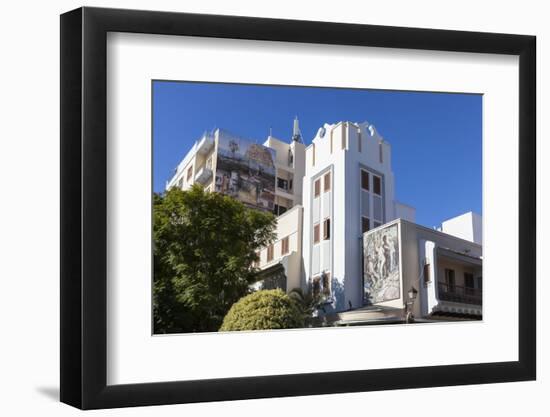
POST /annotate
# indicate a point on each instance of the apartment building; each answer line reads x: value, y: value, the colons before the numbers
x: 341, y: 233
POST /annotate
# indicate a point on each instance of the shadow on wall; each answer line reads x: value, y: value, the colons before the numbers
x: 338, y: 299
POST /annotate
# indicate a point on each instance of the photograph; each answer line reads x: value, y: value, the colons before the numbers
x: 293, y: 207
x: 316, y: 205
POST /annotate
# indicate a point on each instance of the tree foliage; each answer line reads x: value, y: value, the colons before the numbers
x: 264, y: 310
x: 204, y: 246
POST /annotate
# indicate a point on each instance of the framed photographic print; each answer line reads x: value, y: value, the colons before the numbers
x: 256, y: 208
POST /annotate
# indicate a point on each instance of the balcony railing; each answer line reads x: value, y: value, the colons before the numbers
x: 203, y: 175
x: 459, y: 294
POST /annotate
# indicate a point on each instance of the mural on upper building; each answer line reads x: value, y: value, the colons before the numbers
x: 246, y: 171
x: 381, y: 265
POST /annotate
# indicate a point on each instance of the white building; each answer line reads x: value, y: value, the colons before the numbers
x: 348, y: 190
x: 340, y: 231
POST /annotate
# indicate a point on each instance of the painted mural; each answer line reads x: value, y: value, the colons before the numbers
x: 246, y: 171
x: 381, y: 265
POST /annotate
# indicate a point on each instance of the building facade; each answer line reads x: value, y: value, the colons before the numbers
x: 341, y: 234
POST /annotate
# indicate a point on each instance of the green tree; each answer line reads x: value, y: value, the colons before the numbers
x: 204, y: 248
x: 306, y: 302
x: 264, y: 310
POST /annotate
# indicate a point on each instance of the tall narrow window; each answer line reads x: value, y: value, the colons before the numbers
x: 316, y: 234
x: 326, y: 182
x: 326, y: 229
x: 343, y: 136
x: 317, y: 187
x: 189, y: 173
x: 380, y: 152
x: 469, y: 286
x: 326, y: 283
x: 365, y: 224
x: 316, y: 286
x: 377, y: 185
x: 269, y: 253
x: 284, y: 246
x: 359, y: 140
x: 365, y: 180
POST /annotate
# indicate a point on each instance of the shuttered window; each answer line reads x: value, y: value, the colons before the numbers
x: 284, y: 246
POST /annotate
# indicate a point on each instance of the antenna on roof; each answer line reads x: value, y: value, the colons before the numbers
x: 296, y: 134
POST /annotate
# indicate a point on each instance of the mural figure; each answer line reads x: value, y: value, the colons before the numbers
x: 381, y: 265
x: 246, y: 171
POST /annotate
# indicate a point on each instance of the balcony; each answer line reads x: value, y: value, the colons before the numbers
x: 203, y: 175
x: 205, y: 144
x: 459, y: 294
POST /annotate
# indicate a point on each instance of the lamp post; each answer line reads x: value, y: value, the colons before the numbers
x: 412, y: 293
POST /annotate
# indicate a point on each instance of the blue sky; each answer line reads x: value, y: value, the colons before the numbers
x: 436, y: 138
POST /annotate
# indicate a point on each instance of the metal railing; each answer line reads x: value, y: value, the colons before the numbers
x: 459, y: 294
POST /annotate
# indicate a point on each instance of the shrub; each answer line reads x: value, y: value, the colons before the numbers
x: 264, y: 310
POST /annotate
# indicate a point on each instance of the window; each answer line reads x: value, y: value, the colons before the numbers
x: 284, y: 246
x: 316, y: 286
x: 278, y: 210
x: 343, y: 136
x: 316, y: 238
x: 290, y: 157
x: 189, y: 173
x: 326, y: 229
x: 365, y: 224
x: 269, y: 253
x: 469, y: 286
x: 450, y: 279
x: 380, y: 152
x: 290, y: 184
x: 377, y: 184
x: 365, y: 180
x: 359, y: 139
x: 317, y: 187
x: 326, y: 182
x: 281, y: 183
x: 326, y: 283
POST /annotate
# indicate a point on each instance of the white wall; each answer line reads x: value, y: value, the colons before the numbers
x: 467, y: 226
x: 288, y: 225
x: 29, y: 176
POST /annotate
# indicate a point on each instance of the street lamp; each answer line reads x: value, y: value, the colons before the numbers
x: 412, y: 293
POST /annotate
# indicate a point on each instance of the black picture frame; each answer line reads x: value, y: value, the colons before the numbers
x: 84, y: 207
